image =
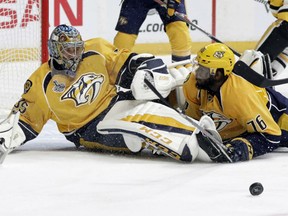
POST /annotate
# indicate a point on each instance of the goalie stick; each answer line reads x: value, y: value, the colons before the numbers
x: 243, y: 70
x: 4, y: 148
x: 219, y: 146
x: 248, y: 74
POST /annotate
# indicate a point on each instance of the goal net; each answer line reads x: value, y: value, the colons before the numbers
x: 23, y: 34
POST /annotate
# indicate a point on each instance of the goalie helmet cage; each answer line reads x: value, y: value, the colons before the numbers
x: 24, y: 31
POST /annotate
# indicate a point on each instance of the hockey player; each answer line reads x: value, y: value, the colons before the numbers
x: 85, y: 89
x: 275, y: 39
x: 252, y: 121
x: 132, y: 15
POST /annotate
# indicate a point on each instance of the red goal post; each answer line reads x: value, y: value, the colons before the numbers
x: 24, y: 31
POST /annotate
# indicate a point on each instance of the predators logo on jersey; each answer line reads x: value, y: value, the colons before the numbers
x: 220, y: 120
x: 85, y: 89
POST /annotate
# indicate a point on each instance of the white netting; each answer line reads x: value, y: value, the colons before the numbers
x: 20, y: 47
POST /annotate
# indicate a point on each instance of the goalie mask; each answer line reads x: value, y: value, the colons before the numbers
x: 65, y: 49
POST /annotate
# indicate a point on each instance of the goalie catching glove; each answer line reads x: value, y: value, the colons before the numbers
x: 155, y: 71
x: 11, y: 135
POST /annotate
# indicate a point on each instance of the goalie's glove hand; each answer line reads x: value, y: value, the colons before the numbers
x: 155, y: 71
x: 239, y: 149
x: 11, y: 134
x: 172, y: 5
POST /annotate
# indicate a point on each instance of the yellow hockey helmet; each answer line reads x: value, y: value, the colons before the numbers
x: 216, y: 55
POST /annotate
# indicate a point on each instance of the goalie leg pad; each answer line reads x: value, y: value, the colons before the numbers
x: 138, y: 124
x: 174, y: 145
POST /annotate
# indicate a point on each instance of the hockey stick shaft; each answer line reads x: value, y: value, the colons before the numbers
x: 243, y: 70
x: 253, y: 77
x: 201, y: 129
x: 175, y: 64
x: 184, y: 18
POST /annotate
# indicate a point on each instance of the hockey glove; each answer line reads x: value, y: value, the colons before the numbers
x: 238, y: 149
x: 155, y: 71
x: 11, y: 135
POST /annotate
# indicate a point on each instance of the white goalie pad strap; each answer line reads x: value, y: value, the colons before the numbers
x: 134, y: 143
x: 11, y: 134
x: 164, y: 83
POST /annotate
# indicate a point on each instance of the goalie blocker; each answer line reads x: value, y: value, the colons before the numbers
x: 11, y: 135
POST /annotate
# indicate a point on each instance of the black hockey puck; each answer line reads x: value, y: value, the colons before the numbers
x: 256, y: 188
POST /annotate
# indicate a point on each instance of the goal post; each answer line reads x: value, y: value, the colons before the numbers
x: 24, y: 30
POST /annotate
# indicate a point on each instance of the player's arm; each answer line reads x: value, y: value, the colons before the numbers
x: 34, y: 113
x: 263, y: 134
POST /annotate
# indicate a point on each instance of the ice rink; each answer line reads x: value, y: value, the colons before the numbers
x: 49, y: 177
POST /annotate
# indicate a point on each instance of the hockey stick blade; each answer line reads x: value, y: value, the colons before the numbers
x: 215, y: 142
x: 243, y: 70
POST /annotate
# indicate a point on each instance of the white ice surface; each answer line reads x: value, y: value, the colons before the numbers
x: 49, y: 177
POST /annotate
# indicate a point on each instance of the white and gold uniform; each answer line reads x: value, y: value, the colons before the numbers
x: 96, y: 108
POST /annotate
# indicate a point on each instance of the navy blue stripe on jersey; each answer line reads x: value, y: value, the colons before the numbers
x: 277, y: 104
x: 89, y: 53
x: 28, y: 131
x: 46, y: 81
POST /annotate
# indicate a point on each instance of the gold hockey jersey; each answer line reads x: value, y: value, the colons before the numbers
x: 72, y: 103
x: 238, y: 107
